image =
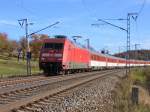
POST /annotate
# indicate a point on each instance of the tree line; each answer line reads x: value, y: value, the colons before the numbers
x: 12, y: 48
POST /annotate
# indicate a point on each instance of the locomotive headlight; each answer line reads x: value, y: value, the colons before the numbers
x: 58, y: 55
x: 45, y: 55
x: 42, y: 59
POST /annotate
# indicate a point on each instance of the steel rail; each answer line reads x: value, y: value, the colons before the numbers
x: 78, y: 81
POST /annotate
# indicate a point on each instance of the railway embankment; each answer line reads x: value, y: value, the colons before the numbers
x: 92, y: 92
x: 123, y: 99
x: 108, y: 93
x: 95, y: 96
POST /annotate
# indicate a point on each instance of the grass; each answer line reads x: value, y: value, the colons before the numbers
x: 11, y: 67
x: 122, y: 94
x: 138, y: 75
x: 142, y: 108
x: 141, y: 76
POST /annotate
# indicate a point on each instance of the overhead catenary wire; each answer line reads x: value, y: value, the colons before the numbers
x: 139, y: 13
x: 138, y: 34
x: 141, y: 8
x: 87, y: 9
x: 21, y: 5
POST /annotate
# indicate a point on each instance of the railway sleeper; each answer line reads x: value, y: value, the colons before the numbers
x: 22, y: 96
x: 30, y: 108
x: 2, y: 102
x: 40, y: 106
x: 3, y: 96
x: 43, y: 103
x: 33, y: 108
x: 6, y: 101
x: 13, y: 98
x: 16, y: 110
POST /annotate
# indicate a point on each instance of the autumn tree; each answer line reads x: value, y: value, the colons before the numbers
x: 39, y: 36
x: 3, y: 42
x: 7, y: 47
x: 23, y: 44
x: 12, y: 47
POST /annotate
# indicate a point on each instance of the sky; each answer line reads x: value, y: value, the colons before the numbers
x: 76, y: 17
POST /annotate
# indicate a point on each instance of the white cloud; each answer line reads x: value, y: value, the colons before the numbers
x: 8, y: 22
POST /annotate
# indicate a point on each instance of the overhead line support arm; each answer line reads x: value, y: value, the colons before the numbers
x: 112, y: 25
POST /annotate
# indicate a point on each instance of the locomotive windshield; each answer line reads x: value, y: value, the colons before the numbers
x: 56, y: 46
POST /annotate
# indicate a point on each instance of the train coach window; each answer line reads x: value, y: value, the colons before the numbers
x: 53, y: 46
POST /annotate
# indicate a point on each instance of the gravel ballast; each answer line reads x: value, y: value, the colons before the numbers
x: 95, y: 96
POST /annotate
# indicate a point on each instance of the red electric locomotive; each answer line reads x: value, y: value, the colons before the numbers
x: 61, y: 55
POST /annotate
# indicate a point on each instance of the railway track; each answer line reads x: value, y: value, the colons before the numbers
x: 23, y: 97
x: 23, y: 80
x: 14, y: 81
x: 19, y: 84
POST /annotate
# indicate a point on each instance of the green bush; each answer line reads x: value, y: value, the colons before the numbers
x: 148, y: 81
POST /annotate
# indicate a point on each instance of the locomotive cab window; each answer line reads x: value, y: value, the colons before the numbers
x: 56, y: 46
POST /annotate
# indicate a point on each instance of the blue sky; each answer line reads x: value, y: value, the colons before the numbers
x: 76, y: 17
